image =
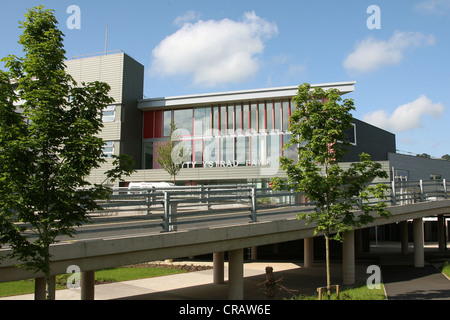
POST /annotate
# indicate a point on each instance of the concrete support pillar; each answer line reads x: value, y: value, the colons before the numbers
x: 39, y: 288
x: 441, y: 232
x: 218, y: 267
x: 348, y: 258
x: 419, y: 256
x: 308, y: 252
x: 236, y: 274
x: 87, y: 285
x: 404, y: 237
x: 254, y: 253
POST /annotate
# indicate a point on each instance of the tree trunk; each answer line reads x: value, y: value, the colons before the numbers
x: 49, y: 290
x: 327, y: 252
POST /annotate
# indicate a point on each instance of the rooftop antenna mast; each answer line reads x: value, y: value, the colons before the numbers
x: 106, y: 40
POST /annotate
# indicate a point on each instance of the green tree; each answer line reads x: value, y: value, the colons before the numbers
x: 318, y: 126
x: 446, y: 157
x: 172, y: 154
x: 424, y: 155
x: 49, y: 145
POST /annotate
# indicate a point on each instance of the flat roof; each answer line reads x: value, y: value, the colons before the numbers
x: 231, y: 96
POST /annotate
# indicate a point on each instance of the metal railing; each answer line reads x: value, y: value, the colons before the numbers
x: 408, y: 192
x: 206, y: 205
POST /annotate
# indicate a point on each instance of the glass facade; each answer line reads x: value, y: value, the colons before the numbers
x: 223, y: 135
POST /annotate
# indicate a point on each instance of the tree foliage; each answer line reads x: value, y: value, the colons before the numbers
x: 343, y: 197
x: 172, y: 154
x: 49, y: 145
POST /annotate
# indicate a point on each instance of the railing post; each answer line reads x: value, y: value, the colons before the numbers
x: 148, y: 201
x: 208, y: 204
x: 444, y: 182
x: 253, y: 198
x: 166, y: 211
x: 394, y: 196
x: 173, y: 217
x: 422, y: 195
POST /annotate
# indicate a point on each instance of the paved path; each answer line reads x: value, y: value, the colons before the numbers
x: 403, y: 281
x: 411, y: 283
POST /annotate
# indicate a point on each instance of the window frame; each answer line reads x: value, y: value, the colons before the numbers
x: 109, y: 118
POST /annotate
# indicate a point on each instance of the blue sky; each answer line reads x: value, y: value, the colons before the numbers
x: 402, y: 69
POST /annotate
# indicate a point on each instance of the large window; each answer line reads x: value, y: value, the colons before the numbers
x: 269, y: 116
x: 351, y: 134
x: 274, y: 146
x: 238, y: 117
x: 242, y: 147
x: 108, y: 149
x: 202, y: 122
x: 277, y: 116
x: 148, y: 155
x: 245, y: 117
x: 211, y: 151
x: 286, y: 114
x: 215, y: 119
x: 230, y: 119
x: 183, y: 120
x: 223, y: 120
x: 253, y: 117
x: 226, y: 149
x: 109, y: 114
x: 261, y: 117
x: 243, y: 134
x: 167, y: 122
x: 292, y: 151
x: 198, y: 153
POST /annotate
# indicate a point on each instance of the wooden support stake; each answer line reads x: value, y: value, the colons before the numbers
x: 334, y: 287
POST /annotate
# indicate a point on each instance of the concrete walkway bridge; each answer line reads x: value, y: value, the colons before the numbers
x: 142, y: 225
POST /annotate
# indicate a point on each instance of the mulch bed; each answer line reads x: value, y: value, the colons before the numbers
x: 185, y: 267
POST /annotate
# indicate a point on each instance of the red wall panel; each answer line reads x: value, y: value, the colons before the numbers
x: 149, y: 120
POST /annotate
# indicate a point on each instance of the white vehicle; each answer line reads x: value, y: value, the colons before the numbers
x: 134, y: 187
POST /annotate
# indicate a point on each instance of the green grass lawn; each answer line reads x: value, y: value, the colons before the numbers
x: 358, y: 293
x: 101, y: 276
x: 446, y: 269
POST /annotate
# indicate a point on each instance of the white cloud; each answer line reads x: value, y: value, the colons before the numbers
x: 214, y: 52
x: 187, y: 17
x: 406, y: 117
x: 371, y: 54
x: 435, y: 7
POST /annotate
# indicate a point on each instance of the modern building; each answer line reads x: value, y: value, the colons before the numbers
x: 230, y: 137
x: 238, y: 137
x: 122, y: 120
